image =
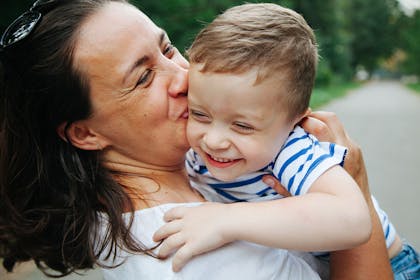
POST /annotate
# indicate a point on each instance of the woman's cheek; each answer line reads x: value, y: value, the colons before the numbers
x: 191, y: 131
x: 196, y: 131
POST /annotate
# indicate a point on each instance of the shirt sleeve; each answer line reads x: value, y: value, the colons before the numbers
x: 303, y: 159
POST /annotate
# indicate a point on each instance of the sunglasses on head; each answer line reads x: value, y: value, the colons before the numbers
x: 25, y: 23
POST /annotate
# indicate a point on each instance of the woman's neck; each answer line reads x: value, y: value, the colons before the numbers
x: 151, y: 186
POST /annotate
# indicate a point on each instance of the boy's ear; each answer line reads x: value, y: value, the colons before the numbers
x: 81, y: 136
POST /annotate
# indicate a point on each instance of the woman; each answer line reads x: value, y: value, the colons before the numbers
x: 93, y: 115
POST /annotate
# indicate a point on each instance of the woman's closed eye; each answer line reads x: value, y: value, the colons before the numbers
x: 146, y: 78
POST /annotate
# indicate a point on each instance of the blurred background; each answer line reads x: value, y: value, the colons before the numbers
x: 358, y: 39
x: 368, y: 37
x: 362, y: 43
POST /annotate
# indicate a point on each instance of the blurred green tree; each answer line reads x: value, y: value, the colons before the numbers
x: 349, y: 33
x: 327, y: 18
x: 372, y: 25
x: 411, y: 44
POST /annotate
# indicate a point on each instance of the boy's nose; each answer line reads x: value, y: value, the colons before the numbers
x: 215, y: 140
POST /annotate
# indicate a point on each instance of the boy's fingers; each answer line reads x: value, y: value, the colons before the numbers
x: 181, y: 257
x: 174, y: 213
x: 167, y: 230
x: 170, y: 244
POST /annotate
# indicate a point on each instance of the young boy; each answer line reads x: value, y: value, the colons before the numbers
x: 251, y: 76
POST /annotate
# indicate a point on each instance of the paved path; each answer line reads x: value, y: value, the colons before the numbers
x: 384, y: 118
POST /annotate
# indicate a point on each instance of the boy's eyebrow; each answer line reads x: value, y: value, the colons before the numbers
x: 144, y: 59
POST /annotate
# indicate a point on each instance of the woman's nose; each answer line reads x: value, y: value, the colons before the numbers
x: 179, y: 83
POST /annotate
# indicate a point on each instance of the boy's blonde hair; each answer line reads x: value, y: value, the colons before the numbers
x: 266, y: 36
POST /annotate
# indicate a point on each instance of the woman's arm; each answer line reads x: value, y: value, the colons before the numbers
x: 370, y: 260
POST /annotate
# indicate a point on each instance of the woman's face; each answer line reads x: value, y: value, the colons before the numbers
x: 138, y: 84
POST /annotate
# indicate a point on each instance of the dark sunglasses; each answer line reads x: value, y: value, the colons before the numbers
x: 25, y: 23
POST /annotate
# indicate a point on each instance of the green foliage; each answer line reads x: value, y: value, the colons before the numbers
x: 323, y: 95
x: 183, y: 19
x: 374, y: 34
x: 327, y: 18
x: 411, y: 39
x: 324, y: 75
x: 349, y: 33
x: 415, y: 87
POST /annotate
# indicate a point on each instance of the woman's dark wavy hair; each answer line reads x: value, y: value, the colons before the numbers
x: 51, y: 193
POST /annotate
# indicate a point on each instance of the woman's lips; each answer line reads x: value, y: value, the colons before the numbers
x: 185, y: 115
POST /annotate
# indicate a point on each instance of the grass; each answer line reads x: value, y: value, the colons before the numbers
x: 415, y: 87
x: 323, y: 95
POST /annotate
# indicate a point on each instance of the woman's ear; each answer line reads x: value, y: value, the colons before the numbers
x: 81, y: 136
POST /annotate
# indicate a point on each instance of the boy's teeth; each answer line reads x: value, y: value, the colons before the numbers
x: 220, y: 159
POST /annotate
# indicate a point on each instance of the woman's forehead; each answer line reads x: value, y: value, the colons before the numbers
x: 114, y: 21
x: 113, y: 37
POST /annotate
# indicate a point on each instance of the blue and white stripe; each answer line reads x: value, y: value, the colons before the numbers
x: 301, y: 160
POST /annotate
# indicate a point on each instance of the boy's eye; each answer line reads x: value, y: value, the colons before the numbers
x: 198, y: 115
x: 244, y: 127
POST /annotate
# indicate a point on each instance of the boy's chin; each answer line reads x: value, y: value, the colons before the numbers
x: 224, y: 176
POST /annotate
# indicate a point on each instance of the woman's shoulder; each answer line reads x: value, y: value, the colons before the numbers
x: 251, y: 261
x: 238, y: 260
x: 144, y: 222
x: 159, y: 209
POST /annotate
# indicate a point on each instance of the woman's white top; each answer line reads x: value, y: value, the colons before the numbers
x: 238, y: 260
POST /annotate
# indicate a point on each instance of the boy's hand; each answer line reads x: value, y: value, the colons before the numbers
x: 191, y: 231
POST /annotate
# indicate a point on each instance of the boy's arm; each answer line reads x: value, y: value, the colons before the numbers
x: 332, y: 216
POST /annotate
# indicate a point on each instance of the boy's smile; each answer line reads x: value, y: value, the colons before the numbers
x: 235, y: 125
x: 220, y: 162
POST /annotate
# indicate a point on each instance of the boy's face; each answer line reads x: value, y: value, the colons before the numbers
x: 235, y: 126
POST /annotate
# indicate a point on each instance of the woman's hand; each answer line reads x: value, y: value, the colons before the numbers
x: 272, y: 181
x: 370, y: 260
x: 327, y: 127
x: 192, y: 231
